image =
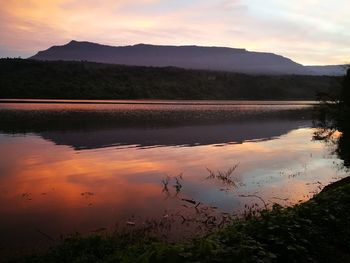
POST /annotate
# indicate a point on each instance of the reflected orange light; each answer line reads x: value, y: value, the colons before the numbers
x: 86, y: 189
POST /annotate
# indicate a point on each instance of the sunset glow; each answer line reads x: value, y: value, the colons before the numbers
x: 309, y: 32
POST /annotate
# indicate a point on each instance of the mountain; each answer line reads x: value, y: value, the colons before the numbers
x: 188, y: 57
x: 329, y: 70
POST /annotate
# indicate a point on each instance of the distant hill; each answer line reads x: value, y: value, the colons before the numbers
x: 329, y: 70
x: 188, y: 57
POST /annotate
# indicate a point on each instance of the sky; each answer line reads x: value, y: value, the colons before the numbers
x: 311, y: 32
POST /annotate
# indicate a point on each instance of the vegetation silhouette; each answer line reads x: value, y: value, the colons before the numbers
x: 332, y: 121
x: 20, y: 78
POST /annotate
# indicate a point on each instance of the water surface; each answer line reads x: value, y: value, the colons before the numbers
x: 69, y: 167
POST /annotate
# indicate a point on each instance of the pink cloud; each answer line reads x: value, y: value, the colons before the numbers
x: 310, y: 32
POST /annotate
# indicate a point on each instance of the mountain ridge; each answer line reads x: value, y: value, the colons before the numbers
x: 214, y: 58
x: 238, y: 60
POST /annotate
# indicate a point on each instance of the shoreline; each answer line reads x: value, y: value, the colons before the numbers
x: 165, y: 102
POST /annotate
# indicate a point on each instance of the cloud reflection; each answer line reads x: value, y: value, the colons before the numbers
x: 45, y: 184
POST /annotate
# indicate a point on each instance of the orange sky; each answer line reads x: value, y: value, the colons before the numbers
x: 307, y: 31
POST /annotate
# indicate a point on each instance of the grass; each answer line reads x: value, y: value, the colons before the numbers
x: 315, y: 231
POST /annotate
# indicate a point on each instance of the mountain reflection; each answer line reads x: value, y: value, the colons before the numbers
x: 91, y: 127
x: 174, y: 136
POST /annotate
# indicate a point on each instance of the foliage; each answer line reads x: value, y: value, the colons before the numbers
x: 345, y: 91
x: 333, y: 116
x: 86, y: 80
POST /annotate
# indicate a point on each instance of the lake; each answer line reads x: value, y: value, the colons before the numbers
x: 77, y: 166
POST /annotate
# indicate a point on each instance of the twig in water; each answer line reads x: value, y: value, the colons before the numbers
x: 189, y: 201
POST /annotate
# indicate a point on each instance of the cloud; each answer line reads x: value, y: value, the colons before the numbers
x: 308, y: 31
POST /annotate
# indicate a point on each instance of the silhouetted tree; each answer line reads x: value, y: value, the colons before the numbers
x: 336, y: 117
x: 345, y: 96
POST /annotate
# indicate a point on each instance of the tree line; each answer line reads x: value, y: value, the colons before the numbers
x: 23, y: 78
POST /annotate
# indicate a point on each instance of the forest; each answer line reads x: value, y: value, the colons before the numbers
x: 24, y: 78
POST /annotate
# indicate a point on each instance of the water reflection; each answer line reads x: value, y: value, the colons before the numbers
x: 49, y: 185
x: 174, y: 136
x: 89, y: 126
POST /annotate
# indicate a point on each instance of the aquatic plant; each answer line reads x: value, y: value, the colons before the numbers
x: 225, y: 176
